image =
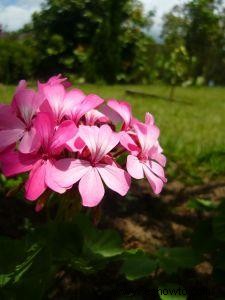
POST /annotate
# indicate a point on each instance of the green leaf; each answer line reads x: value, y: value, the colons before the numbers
x: 201, y: 204
x: 137, y: 265
x: 99, y: 247
x: 172, y: 292
x: 24, y: 271
x: 172, y: 259
x: 106, y: 243
x: 4, y: 279
x: 12, y: 252
x: 88, y: 263
x: 22, y: 268
x: 63, y: 240
x: 37, y: 279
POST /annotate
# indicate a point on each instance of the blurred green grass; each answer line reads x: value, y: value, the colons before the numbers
x: 192, y: 127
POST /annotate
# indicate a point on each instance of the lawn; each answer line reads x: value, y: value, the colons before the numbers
x: 192, y: 126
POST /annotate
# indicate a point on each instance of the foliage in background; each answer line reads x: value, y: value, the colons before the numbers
x: 87, y: 38
x: 17, y: 59
x: 176, y: 68
x: 110, y: 41
x: 199, y: 26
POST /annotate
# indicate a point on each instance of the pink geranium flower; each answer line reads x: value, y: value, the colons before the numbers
x: 64, y: 138
x: 16, y: 120
x: 93, y: 166
x: 119, y: 112
x: 72, y: 104
x: 54, y: 80
x: 95, y: 117
x: 39, y: 164
x: 146, y: 156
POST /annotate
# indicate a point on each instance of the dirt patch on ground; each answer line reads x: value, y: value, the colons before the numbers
x: 147, y: 221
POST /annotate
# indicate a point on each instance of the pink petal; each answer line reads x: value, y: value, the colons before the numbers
x: 111, y: 114
x: 134, y: 167
x: 123, y: 109
x: 13, y: 162
x: 38, y: 99
x: 157, y: 169
x: 46, y: 108
x: 161, y: 159
x: 128, y: 143
x: 24, y: 102
x: 91, y: 188
x: 91, y: 101
x: 149, y: 119
x: 115, y: 178
x: 94, y: 116
x: 54, y: 80
x: 35, y: 184
x: 72, y: 101
x: 155, y: 182
x: 63, y: 134
x: 76, y: 144
x: 99, y: 141
x: 30, y: 141
x: 55, y: 95
x: 44, y: 126
x: 90, y: 137
x: 107, y: 140
x: 147, y: 135
x: 8, y: 118
x: 49, y: 180
x: 157, y: 156
x: 21, y: 86
x: 67, y: 171
x: 8, y: 137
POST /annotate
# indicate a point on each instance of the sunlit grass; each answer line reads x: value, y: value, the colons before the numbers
x: 192, y: 127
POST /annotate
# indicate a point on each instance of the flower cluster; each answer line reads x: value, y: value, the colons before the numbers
x: 66, y: 139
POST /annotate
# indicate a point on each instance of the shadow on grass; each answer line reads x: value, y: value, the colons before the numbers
x: 142, y: 94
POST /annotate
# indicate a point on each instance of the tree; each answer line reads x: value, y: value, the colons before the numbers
x: 17, y: 58
x: 1, y: 30
x: 174, y: 28
x: 202, y: 35
x: 176, y: 68
x: 199, y: 26
x: 86, y: 36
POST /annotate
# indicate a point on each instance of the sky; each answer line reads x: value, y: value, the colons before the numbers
x: 15, y: 13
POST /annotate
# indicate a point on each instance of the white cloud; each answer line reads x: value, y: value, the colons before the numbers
x: 30, y: 4
x: 161, y: 7
x: 14, y: 16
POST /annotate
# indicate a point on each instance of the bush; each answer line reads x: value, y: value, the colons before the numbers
x: 17, y: 59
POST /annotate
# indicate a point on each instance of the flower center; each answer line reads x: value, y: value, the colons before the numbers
x: 45, y: 156
x: 143, y: 157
